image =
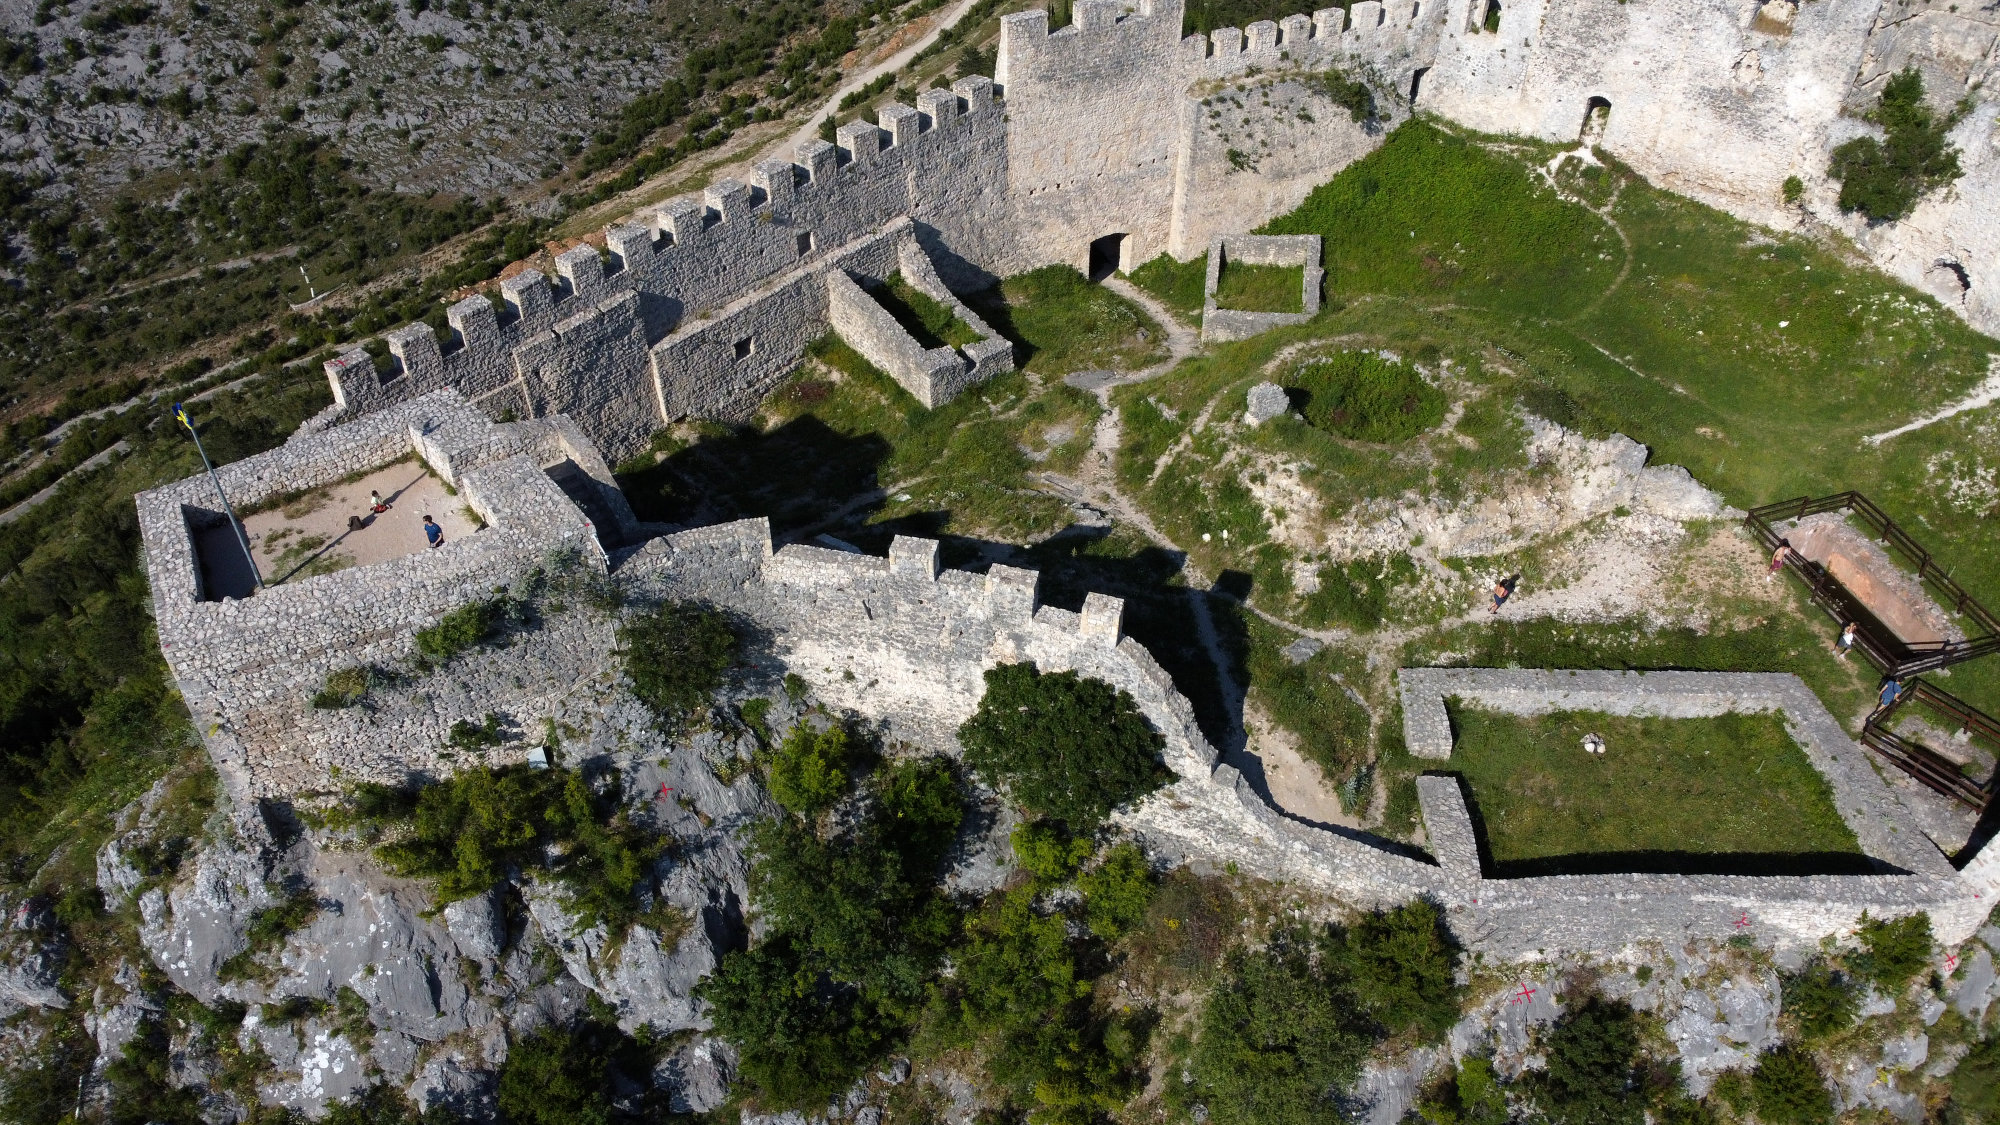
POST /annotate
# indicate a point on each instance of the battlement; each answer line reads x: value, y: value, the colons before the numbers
x: 1101, y: 34
x: 1369, y: 28
x: 695, y: 253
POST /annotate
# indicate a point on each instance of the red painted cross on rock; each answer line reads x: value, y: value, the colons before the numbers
x: 1526, y: 993
x: 1743, y: 920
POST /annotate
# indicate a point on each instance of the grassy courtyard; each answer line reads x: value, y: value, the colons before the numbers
x: 1731, y: 793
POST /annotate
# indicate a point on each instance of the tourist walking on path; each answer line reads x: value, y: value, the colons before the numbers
x: 1502, y: 590
x: 433, y: 532
x: 1892, y: 690
x: 1778, y: 558
x: 1845, y: 644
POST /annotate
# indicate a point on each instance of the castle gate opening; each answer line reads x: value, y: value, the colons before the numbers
x: 1596, y: 114
x: 1105, y: 256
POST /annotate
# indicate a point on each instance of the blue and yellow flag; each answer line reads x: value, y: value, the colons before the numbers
x: 181, y: 416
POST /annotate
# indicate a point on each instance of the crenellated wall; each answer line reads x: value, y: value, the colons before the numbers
x: 654, y: 328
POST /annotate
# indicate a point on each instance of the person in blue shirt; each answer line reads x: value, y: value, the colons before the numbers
x: 433, y: 532
x: 1892, y: 690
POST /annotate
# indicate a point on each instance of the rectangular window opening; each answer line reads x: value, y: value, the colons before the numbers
x: 746, y: 347
x: 805, y: 243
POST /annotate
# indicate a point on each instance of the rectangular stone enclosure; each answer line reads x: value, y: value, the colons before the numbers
x: 1865, y: 804
x: 1260, y: 250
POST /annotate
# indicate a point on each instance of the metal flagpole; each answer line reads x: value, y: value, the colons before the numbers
x: 181, y: 414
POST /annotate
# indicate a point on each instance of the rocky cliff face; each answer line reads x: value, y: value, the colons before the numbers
x: 379, y: 984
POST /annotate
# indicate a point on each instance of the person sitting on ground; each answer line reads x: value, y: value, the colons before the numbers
x: 1845, y: 644
x: 1502, y: 590
x: 433, y: 532
x: 375, y: 503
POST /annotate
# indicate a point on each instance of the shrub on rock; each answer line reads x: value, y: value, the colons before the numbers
x: 1060, y: 745
x: 675, y: 657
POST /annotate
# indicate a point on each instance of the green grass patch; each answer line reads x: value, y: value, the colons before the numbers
x: 932, y: 322
x: 1366, y: 397
x: 1306, y: 699
x: 1669, y: 793
x: 1061, y: 323
x: 1432, y: 214
x: 1247, y: 288
x: 1181, y: 286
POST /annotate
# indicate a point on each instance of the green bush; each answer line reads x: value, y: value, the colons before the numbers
x: 1591, y: 1053
x: 808, y: 771
x: 471, y: 737
x: 465, y: 833
x: 1884, y: 179
x: 1975, y: 1085
x: 1117, y: 892
x: 268, y: 929
x: 1794, y: 189
x: 1062, y: 746
x: 1787, y: 1089
x: 1350, y: 94
x: 554, y: 1076
x: 1892, y: 952
x: 675, y: 657
x: 1469, y: 1094
x: 855, y: 928
x: 464, y: 629
x: 1362, y: 396
x: 345, y: 687
x: 1049, y: 853
x: 1819, y: 1000
x: 801, y: 1036
x: 1277, y: 1040
x: 1401, y: 965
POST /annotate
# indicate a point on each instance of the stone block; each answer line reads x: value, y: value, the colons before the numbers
x: 1266, y: 401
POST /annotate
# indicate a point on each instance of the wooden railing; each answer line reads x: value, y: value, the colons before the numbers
x: 1926, y: 765
x: 1880, y: 644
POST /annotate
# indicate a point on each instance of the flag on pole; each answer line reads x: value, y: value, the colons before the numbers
x: 181, y: 416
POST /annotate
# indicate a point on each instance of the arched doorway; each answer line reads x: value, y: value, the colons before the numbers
x: 1596, y: 115
x: 1105, y: 256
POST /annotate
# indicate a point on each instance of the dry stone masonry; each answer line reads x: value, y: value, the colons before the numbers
x: 1117, y: 139
x: 1112, y: 139
x: 1298, y: 250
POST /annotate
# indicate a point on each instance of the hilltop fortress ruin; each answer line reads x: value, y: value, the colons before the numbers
x: 1100, y: 145
x: 1113, y: 140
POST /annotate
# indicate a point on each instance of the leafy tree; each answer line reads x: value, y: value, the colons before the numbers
x: 802, y: 1037
x: 1062, y: 746
x: 1884, y: 179
x: 808, y: 771
x: 1047, y: 852
x: 1819, y: 1000
x: 1117, y: 892
x: 1277, y: 1040
x: 1350, y: 94
x: 1893, y: 951
x: 856, y: 929
x: 1591, y: 1052
x: 557, y: 1076
x: 1787, y: 1089
x: 1401, y: 965
x: 675, y: 657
